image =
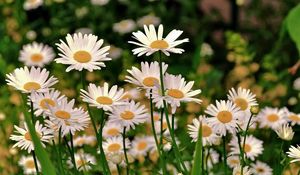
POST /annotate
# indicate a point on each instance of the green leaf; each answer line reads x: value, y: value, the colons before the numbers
x: 198, y: 163
x: 293, y: 25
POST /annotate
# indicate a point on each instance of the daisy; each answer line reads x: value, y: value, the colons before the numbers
x: 233, y: 161
x: 141, y: 145
x: 27, y: 162
x: 103, y: 97
x: 253, y: 147
x: 111, y: 130
x: 129, y: 115
x: 151, y: 42
x: 157, y: 124
x: 32, y: 4
x: 294, y: 153
x: 285, y: 132
x: 68, y: 118
x: 83, y: 161
x: 115, y: 145
x: 36, y: 54
x: 131, y: 94
x: 148, y: 20
x: 237, y: 170
x: 99, y: 2
x: 27, y: 80
x: 225, y: 115
x: 209, y: 137
x: 41, y: 101
x: 292, y: 117
x: 148, y: 76
x: 24, y: 140
x: 115, y: 52
x: 212, y: 157
x: 124, y: 26
x: 243, y: 120
x: 82, y: 52
x: 156, y: 117
x: 261, y: 168
x: 79, y: 141
x: 271, y: 117
x: 243, y: 98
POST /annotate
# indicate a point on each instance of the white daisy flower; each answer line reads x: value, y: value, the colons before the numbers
x: 131, y: 94
x: 285, y: 132
x: 148, y: 20
x: 261, y: 168
x: 212, y: 157
x: 151, y: 42
x: 157, y: 124
x: 27, y: 163
x: 148, y: 76
x: 27, y: 80
x: 36, y: 54
x: 225, y: 115
x: 209, y: 137
x: 156, y: 117
x: 292, y: 117
x: 41, y: 101
x: 271, y: 117
x: 68, y: 118
x: 111, y: 130
x: 115, y: 52
x: 103, y: 97
x: 129, y: 115
x: 115, y: 145
x: 206, y: 50
x: 253, y: 147
x: 233, y: 161
x: 124, y: 26
x: 32, y: 4
x: 23, y: 137
x: 141, y: 145
x: 243, y: 120
x: 243, y: 98
x: 246, y: 170
x: 294, y: 153
x: 82, y: 52
x: 99, y: 2
x: 83, y: 161
x: 79, y: 141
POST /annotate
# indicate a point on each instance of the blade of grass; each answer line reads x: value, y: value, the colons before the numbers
x: 198, y: 160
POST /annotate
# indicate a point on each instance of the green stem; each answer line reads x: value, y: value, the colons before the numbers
x: 244, y: 143
x: 119, y: 169
x: 224, y: 155
x: 125, y: 153
x: 72, y: 156
x: 198, y: 159
x: 59, y: 151
x: 173, y: 122
x: 241, y: 153
x: 35, y: 162
x: 158, y: 145
x: 281, y: 157
x: 298, y: 172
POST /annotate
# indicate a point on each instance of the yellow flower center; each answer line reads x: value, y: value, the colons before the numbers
x: 242, y: 103
x: 126, y: 96
x: 294, y: 117
x: 260, y: 170
x: 104, y: 100
x: 36, y: 57
x: 113, y: 131
x: 206, y: 131
x: 142, y: 145
x: 29, y: 164
x: 62, y: 114
x: 175, y: 93
x: 80, y: 141
x: 29, y: 86
x: 27, y: 136
x: 224, y: 116
x: 272, y: 117
x: 127, y: 115
x: 82, y: 56
x: 247, y: 148
x: 114, y: 147
x: 47, y: 102
x: 234, y: 161
x: 156, y: 117
x: 80, y: 162
x: 165, y: 126
x: 150, y: 81
x: 159, y: 44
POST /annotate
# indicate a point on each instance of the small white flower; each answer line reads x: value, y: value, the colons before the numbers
x: 28, y: 165
x: 141, y: 146
x: 206, y: 50
x: 32, y: 4
x: 212, y: 157
x: 296, y: 84
x: 285, y: 132
x: 115, y: 145
x: 237, y: 170
x: 124, y: 26
x: 271, y: 117
x: 261, y: 168
x: 294, y: 153
x: 84, y: 140
x: 148, y: 20
x: 233, y: 161
x: 83, y: 161
x: 243, y: 98
x: 111, y: 130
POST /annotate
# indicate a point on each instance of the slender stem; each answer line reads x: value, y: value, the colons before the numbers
x: 158, y: 145
x: 224, y: 155
x: 244, y: 143
x: 125, y: 153
x: 280, y: 157
x: 35, y: 162
x: 102, y: 121
x: 206, y: 161
x: 119, y: 169
x: 242, y: 160
x: 173, y: 122
x: 72, y: 156
x: 161, y: 130
x: 31, y: 112
x: 59, y: 151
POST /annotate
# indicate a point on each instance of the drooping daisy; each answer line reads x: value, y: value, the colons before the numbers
x: 285, y: 132
x: 294, y: 153
x: 211, y: 157
x: 253, y: 147
x: 82, y: 52
x: 151, y: 41
x: 243, y: 98
x: 246, y: 170
x: 27, y: 80
x: 68, y: 118
x: 36, y: 54
x: 28, y: 165
x: 261, y: 168
x: 233, y: 161
x: 271, y: 117
x: 41, y: 101
x: 111, y: 130
x: 24, y: 140
x: 148, y: 76
x: 225, y: 115
x: 129, y: 115
x: 124, y: 26
x: 209, y: 137
x: 32, y: 4
x: 141, y: 145
x: 83, y: 161
x: 115, y: 145
x: 103, y: 97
